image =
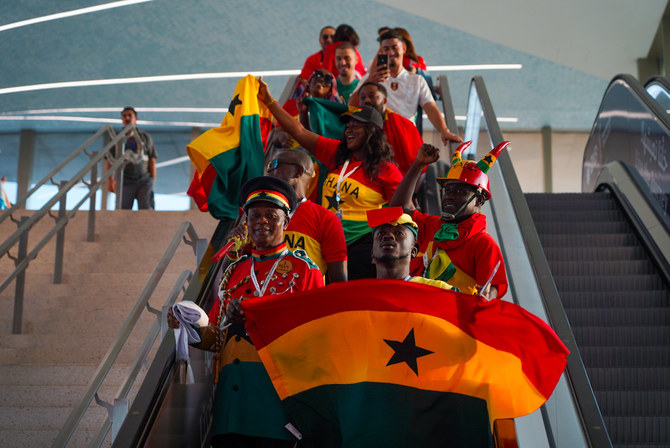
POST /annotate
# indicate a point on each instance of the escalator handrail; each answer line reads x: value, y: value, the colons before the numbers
x: 641, y: 94
x: 592, y: 420
x: 661, y: 80
x: 643, y: 222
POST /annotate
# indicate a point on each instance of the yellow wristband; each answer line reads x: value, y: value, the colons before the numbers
x: 273, y: 101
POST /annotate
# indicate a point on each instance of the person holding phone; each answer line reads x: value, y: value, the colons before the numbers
x: 406, y: 91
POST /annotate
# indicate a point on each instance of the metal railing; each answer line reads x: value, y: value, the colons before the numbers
x: 25, y: 224
x: 118, y: 410
x: 573, y: 402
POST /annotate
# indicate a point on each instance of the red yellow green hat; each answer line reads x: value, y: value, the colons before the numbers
x: 394, y: 216
x: 471, y: 172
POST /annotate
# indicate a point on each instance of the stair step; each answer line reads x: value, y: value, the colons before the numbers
x: 580, y: 227
x: 556, y: 253
x: 589, y: 239
x: 626, y: 378
x: 610, y: 267
x: 621, y: 336
x: 56, y: 375
x: 633, y: 284
x: 618, y: 316
x: 641, y: 430
x: 634, y: 403
x: 617, y: 357
x: 615, y: 299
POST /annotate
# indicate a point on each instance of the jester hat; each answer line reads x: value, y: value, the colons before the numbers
x: 471, y: 172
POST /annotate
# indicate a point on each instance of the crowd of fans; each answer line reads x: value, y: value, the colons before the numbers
x: 341, y: 209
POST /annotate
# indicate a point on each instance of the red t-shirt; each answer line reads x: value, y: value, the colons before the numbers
x: 312, y: 63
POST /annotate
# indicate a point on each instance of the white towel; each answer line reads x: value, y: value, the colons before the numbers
x: 189, y: 315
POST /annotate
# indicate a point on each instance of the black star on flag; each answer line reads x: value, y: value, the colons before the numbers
x: 333, y: 202
x: 407, y: 352
x: 233, y: 104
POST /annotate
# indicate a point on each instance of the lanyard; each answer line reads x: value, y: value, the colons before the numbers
x: 260, y: 291
x: 342, y: 177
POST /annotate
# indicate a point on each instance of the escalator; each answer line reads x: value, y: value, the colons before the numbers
x: 593, y: 265
x: 618, y: 307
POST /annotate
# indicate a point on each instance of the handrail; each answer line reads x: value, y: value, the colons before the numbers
x: 579, y: 384
x: 24, y: 226
x: 22, y: 201
x: 186, y: 228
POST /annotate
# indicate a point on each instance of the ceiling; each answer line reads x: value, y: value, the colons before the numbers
x: 568, y: 51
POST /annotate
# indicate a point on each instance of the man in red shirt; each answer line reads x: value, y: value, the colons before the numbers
x: 455, y: 247
x: 314, y: 62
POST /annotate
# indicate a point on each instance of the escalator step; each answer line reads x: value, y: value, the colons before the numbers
x: 600, y: 216
x: 628, y: 430
x: 614, y: 267
x: 589, y: 240
x: 582, y: 317
x: 634, y: 403
x: 564, y: 227
x: 621, y: 336
x: 571, y: 201
x: 656, y: 356
x: 616, y: 299
x: 608, y: 283
x: 595, y: 253
x: 623, y: 378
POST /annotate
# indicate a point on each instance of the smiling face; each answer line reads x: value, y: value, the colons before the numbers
x: 355, y: 135
x: 391, y: 243
x: 266, y: 223
x: 455, y: 194
x: 345, y: 61
x: 321, y: 84
x: 395, y: 49
x: 370, y: 95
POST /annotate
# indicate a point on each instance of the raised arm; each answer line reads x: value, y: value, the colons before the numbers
x: 307, y: 139
x: 426, y: 155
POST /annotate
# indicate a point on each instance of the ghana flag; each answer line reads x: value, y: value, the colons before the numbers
x: 324, y: 116
x: 392, y: 363
x: 229, y: 155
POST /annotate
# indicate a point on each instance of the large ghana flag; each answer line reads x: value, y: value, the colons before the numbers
x: 231, y: 154
x: 391, y: 363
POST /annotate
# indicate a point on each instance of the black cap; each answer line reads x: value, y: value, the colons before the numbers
x: 268, y: 189
x: 367, y: 114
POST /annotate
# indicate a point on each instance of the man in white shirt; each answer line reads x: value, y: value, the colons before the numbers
x: 406, y: 91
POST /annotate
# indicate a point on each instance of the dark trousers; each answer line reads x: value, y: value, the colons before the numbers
x: 142, y: 190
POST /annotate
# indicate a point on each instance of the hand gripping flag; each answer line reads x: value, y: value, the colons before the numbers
x: 391, y: 363
x: 227, y: 156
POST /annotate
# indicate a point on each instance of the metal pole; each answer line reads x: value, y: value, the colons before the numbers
x: 90, y: 234
x: 20, y: 280
x: 119, y: 178
x: 60, y: 240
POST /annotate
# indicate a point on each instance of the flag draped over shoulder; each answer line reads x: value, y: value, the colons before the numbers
x: 391, y: 363
x: 231, y: 154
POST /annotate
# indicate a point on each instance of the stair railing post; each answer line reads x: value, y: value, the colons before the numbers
x: 90, y: 233
x: 60, y: 239
x: 20, y: 284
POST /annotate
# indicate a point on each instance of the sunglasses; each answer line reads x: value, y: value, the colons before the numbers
x: 274, y: 164
x: 326, y: 77
x: 328, y: 36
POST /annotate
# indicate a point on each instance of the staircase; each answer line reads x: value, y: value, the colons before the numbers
x: 619, y: 310
x: 68, y: 328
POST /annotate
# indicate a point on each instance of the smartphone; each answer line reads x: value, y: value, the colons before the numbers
x: 382, y: 59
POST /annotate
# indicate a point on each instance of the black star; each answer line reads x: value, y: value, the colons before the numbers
x: 488, y: 159
x: 407, y: 352
x: 233, y: 104
x: 262, y: 194
x: 332, y: 201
